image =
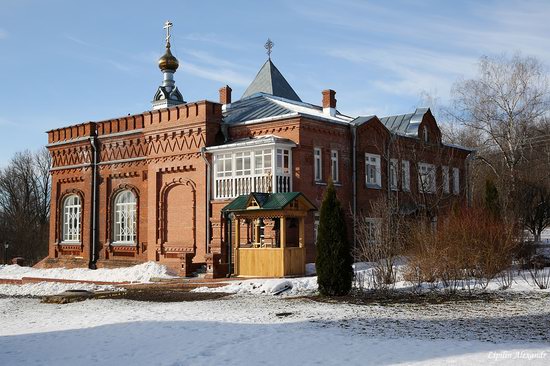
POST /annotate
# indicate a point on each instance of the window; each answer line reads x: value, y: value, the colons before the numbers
x: 242, y: 163
x: 372, y: 226
x: 315, y: 227
x: 425, y: 131
x: 445, y: 175
x: 125, y: 223
x: 318, y: 164
x: 393, y: 174
x: 426, y: 178
x: 262, y: 162
x: 71, y: 219
x: 456, y: 181
x: 334, y: 165
x: 283, y: 161
x: 224, y: 165
x: 372, y: 171
x: 406, y: 175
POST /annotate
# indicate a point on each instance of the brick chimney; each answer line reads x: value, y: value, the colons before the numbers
x: 225, y: 95
x: 329, y: 102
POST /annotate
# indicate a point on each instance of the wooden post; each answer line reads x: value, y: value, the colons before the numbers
x: 283, y: 231
x: 283, y: 243
x: 301, y: 232
x: 302, y: 227
x: 257, y: 239
x: 237, y: 223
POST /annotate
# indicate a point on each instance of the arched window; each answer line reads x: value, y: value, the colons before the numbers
x: 71, y: 219
x: 125, y: 224
x: 425, y: 130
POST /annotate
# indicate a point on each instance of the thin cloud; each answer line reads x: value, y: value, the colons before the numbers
x: 78, y: 40
x: 409, y: 70
x: 7, y: 122
x: 3, y: 34
x: 215, y: 39
x: 129, y: 66
x: 223, y: 75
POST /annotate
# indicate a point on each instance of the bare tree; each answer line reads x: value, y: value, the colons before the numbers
x: 25, y: 205
x: 501, y: 107
x: 533, y: 206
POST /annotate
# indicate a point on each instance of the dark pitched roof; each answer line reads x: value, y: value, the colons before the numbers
x: 269, y: 80
x: 405, y: 124
x: 362, y: 119
x: 266, y: 201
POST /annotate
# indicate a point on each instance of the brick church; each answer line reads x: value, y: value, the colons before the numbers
x: 233, y: 186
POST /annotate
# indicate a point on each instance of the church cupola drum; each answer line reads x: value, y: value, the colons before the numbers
x: 167, y: 94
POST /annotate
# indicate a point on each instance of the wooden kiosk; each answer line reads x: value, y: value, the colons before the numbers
x: 268, y: 233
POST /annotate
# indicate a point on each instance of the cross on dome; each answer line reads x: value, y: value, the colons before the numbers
x: 269, y: 46
x: 167, y: 25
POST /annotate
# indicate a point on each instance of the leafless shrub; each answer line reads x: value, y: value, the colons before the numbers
x: 538, y: 277
x: 505, y: 278
x: 467, y: 250
x: 380, y: 241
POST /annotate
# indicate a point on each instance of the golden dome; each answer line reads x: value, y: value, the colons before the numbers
x: 168, y: 61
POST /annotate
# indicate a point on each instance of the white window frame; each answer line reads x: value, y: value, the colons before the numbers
x: 394, y: 174
x: 283, y: 161
x: 125, y: 218
x: 334, y: 165
x: 406, y: 175
x: 373, y: 176
x: 372, y: 230
x: 318, y: 164
x: 445, y: 178
x: 263, y: 161
x: 224, y: 165
x: 456, y: 181
x: 426, y: 178
x: 72, y: 210
x: 243, y: 163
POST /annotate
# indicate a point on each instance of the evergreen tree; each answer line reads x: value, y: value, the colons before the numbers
x: 492, y: 203
x: 334, y: 261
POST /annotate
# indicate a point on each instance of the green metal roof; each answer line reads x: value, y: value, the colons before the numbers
x: 266, y: 201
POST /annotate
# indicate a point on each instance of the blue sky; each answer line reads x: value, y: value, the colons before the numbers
x: 64, y: 62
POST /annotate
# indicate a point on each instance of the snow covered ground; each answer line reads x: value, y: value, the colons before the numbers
x: 254, y: 327
x: 246, y: 330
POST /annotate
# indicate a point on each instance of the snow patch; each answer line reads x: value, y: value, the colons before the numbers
x: 50, y: 288
x: 141, y: 273
x: 286, y: 286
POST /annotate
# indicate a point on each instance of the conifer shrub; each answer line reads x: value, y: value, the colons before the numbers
x: 334, y: 260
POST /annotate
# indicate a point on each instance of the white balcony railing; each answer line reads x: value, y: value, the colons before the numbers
x: 231, y: 187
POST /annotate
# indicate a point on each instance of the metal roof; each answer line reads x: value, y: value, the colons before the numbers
x: 251, y: 142
x: 405, y: 124
x: 269, y: 80
x: 266, y: 201
x: 261, y: 106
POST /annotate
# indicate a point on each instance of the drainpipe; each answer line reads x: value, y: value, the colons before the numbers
x: 93, y: 258
x: 354, y: 181
x: 203, y: 155
x: 469, y: 187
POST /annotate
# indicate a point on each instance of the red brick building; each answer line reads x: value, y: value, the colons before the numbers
x: 152, y: 186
